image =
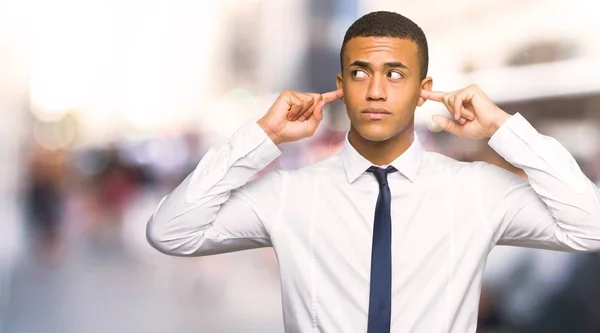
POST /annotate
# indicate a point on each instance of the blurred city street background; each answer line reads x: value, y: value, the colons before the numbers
x: 106, y: 105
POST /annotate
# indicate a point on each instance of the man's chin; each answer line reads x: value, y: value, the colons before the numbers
x: 375, y: 133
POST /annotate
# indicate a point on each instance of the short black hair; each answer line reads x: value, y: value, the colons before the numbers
x: 389, y: 24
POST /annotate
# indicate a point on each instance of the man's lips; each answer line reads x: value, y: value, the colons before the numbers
x: 375, y: 113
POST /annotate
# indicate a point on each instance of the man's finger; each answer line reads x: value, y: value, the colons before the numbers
x: 446, y: 124
x: 309, y: 102
x: 306, y: 102
x: 463, y: 98
x: 332, y: 96
x: 468, y: 115
x: 435, y: 96
x: 326, y: 98
x: 448, y: 101
x: 457, y: 104
x: 295, y: 105
x: 294, y: 111
x: 318, y: 111
x: 308, y: 113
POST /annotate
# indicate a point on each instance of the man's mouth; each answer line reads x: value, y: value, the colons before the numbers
x: 375, y: 113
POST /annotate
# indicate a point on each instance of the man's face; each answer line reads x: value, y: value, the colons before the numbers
x: 382, y: 85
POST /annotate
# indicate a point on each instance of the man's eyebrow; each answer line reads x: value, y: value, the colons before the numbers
x: 396, y: 64
x: 360, y: 63
x: 393, y: 64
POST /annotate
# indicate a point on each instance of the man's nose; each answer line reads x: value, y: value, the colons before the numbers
x: 376, y: 90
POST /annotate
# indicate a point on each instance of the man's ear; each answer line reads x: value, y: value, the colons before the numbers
x: 426, y: 84
x: 339, y: 83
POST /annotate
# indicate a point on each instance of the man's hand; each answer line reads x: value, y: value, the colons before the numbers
x: 295, y: 115
x: 477, y: 117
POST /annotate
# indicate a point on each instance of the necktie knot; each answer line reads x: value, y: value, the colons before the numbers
x: 381, y: 173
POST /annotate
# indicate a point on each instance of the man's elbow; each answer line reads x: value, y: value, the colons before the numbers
x: 160, y: 239
x: 156, y: 238
x: 592, y: 245
x: 593, y: 223
x: 589, y: 246
x: 594, y: 239
x: 588, y: 239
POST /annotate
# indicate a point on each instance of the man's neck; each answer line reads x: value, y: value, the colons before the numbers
x: 382, y: 152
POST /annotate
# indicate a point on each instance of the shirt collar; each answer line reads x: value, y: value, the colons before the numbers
x: 407, y: 164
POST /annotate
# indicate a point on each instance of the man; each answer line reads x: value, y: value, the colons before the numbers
x: 383, y: 236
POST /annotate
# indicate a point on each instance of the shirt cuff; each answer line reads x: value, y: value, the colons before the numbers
x: 516, y: 135
x: 251, y: 141
x: 249, y: 148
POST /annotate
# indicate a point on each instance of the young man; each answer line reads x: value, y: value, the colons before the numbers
x: 383, y: 236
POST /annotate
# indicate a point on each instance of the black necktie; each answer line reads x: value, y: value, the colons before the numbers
x: 380, y: 296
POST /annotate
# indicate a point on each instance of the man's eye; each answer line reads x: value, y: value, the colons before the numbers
x: 394, y: 75
x: 358, y: 73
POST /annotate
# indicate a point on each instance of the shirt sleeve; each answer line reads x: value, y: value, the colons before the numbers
x: 218, y: 208
x: 556, y: 208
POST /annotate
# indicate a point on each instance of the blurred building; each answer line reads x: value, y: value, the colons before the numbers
x: 534, y: 57
x: 13, y: 107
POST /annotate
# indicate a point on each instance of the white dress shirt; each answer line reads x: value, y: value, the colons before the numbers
x: 446, y: 217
